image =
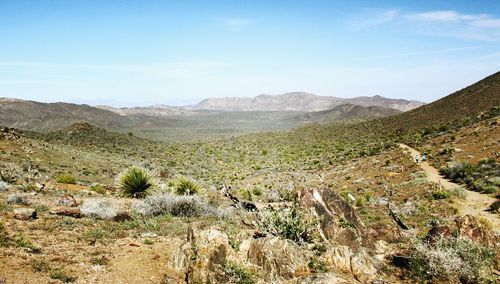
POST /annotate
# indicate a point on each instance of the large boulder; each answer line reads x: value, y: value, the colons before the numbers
x: 24, y: 214
x: 357, y: 263
x: 202, y: 258
x: 278, y: 258
x: 338, y: 221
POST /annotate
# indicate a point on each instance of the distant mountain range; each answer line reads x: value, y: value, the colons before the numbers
x: 300, y: 101
x: 299, y: 108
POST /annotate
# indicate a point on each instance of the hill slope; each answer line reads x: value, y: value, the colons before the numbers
x: 478, y: 97
x: 347, y: 112
x: 50, y: 116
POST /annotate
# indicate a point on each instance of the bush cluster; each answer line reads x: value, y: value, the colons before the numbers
x: 480, y: 177
x: 453, y: 259
x: 178, y: 206
x: 289, y: 223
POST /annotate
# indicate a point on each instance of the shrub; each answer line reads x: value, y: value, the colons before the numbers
x: 289, y: 223
x: 238, y: 274
x: 135, y: 182
x: 186, y: 186
x: 66, y: 178
x: 60, y: 274
x: 98, y: 188
x: 99, y: 209
x: 441, y: 194
x: 451, y: 259
x: 178, y: 206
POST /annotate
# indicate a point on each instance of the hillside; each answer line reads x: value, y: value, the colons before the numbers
x: 33, y: 115
x: 300, y: 102
x: 347, y: 112
x: 482, y: 96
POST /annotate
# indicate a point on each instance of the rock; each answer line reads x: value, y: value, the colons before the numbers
x: 472, y: 228
x: 67, y: 201
x: 24, y: 214
x: 339, y: 223
x: 18, y: 199
x: 323, y: 278
x: 122, y: 217
x: 67, y: 211
x: 202, y: 258
x: 149, y: 235
x: 438, y: 232
x: 280, y: 259
x: 360, y: 264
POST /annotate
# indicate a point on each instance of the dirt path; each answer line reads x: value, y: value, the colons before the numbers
x: 475, y: 203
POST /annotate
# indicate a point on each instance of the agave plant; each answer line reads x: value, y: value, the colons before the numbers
x: 186, y: 186
x: 135, y: 182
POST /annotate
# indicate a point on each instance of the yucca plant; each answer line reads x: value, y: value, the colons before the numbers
x: 186, y: 186
x: 135, y: 182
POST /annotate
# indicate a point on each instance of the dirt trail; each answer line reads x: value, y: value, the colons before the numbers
x: 475, y: 203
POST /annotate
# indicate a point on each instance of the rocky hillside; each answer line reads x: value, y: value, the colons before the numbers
x: 50, y: 116
x: 479, y: 97
x: 347, y: 112
x: 154, y: 110
x: 300, y: 102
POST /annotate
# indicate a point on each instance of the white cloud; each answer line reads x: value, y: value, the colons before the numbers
x: 372, y: 18
x: 446, y: 16
x: 237, y: 24
x: 442, y: 23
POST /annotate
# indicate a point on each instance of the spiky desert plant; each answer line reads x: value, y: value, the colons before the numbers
x: 135, y: 182
x: 186, y: 186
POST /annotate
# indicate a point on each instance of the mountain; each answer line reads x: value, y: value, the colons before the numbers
x: 154, y: 110
x: 479, y: 97
x: 50, y: 116
x: 347, y: 112
x: 300, y: 101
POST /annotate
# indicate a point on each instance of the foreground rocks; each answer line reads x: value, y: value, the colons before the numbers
x: 24, y: 214
x: 338, y: 221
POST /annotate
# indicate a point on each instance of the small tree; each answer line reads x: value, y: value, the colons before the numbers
x: 135, y: 182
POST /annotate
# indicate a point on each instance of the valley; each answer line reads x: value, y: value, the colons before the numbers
x: 238, y: 195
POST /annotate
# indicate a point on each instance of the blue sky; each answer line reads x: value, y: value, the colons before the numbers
x: 128, y: 53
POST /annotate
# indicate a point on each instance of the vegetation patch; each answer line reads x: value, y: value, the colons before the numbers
x: 66, y: 178
x: 135, y: 182
x: 289, y: 223
x: 452, y: 259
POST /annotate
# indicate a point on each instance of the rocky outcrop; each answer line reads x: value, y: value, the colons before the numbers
x: 202, y: 258
x: 338, y: 221
x: 279, y: 259
x: 358, y: 263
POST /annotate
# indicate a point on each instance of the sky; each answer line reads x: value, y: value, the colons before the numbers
x: 138, y: 53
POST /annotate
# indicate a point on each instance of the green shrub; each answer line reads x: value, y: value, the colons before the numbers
x: 135, y: 182
x: 451, y: 260
x: 186, y: 186
x: 289, y: 223
x: 238, y: 274
x: 98, y: 188
x: 66, y: 178
x: 60, y: 274
x: 257, y: 191
x: 441, y: 194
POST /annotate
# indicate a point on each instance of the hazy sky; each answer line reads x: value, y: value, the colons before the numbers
x: 179, y: 52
